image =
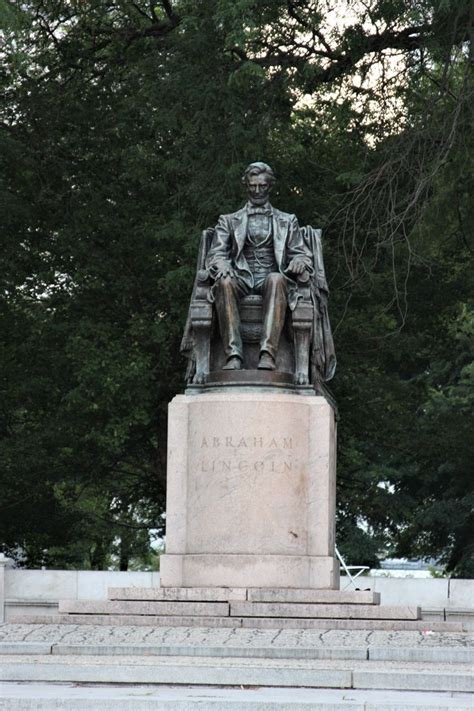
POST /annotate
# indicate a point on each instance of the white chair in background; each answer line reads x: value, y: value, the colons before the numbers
x: 352, y: 571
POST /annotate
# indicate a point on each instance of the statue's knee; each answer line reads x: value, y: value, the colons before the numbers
x: 276, y: 279
x: 225, y: 284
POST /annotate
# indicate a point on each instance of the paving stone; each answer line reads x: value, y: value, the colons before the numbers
x: 25, y: 648
x: 428, y: 654
x: 209, y: 651
x: 236, y: 622
x: 246, y: 643
x: 331, y: 624
x: 423, y: 681
x: 423, y: 638
x: 205, y: 635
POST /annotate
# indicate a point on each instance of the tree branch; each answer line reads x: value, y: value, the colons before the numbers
x: 294, y: 14
x: 169, y: 10
x: 142, y: 12
x: 355, y: 45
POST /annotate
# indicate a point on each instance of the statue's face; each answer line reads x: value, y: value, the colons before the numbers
x: 258, y: 187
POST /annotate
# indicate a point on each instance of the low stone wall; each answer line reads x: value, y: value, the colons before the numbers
x: 39, y: 591
x: 439, y: 598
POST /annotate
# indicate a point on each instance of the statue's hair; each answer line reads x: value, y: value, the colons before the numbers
x: 256, y: 169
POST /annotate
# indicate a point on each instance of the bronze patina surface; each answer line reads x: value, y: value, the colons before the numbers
x: 260, y: 296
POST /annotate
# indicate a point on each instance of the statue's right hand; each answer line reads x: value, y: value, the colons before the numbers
x: 225, y: 271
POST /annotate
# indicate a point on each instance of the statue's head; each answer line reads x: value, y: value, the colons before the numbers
x: 259, y: 179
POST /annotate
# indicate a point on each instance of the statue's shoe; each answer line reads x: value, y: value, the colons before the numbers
x: 266, y: 362
x: 234, y: 363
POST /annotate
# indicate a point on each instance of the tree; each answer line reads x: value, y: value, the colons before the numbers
x: 125, y: 130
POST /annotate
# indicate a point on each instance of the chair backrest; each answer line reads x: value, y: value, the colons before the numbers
x: 207, y: 236
x: 348, y: 568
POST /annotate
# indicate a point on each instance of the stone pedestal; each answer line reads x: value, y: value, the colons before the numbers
x: 251, y: 491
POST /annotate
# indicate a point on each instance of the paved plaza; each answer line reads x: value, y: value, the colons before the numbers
x: 82, y: 667
x: 248, y: 642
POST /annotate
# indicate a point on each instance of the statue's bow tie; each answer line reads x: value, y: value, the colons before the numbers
x: 259, y: 211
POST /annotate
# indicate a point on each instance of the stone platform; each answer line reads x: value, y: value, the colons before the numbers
x: 259, y: 608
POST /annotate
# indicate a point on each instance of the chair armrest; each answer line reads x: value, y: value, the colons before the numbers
x: 304, y: 292
x: 202, y: 275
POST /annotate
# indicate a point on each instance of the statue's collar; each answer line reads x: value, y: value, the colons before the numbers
x: 265, y: 209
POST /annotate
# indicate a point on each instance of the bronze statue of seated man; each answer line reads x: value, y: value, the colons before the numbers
x: 253, y: 269
x: 256, y: 250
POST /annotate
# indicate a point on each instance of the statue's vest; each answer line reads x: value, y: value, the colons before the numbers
x: 258, y: 250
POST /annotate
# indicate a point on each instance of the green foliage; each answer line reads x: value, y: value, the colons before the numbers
x: 126, y: 127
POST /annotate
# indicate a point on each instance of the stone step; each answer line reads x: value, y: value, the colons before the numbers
x: 239, y: 622
x: 337, y: 597
x: 178, y: 594
x: 238, y: 609
x: 313, y: 611
x: 57, y: 697
x: 448, y: 655
x: 237, y: 672
x: 354, y: 597
x: 131, y: 607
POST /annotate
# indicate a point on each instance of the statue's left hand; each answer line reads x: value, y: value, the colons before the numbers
x: 296, y: 266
